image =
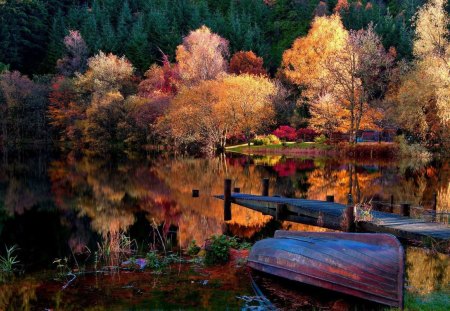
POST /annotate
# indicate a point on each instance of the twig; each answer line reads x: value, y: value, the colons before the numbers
x: 70, y: 281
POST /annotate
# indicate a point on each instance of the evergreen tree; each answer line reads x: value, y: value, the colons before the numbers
x: 137, y: 49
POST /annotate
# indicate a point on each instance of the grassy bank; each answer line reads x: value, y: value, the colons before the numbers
x: 360, y: 150
x: 285, y: 149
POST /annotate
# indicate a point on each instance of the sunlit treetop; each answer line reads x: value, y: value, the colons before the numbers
x: 106, y: 73
x: 202, y: 56
x: 247, y: 62
x: 326, y: 38
x: 432, y: 49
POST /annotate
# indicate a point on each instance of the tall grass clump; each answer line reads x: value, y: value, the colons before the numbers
x: 8, y: 262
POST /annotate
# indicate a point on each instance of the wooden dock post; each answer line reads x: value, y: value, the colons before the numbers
x: 237, y: 190
x: 330, y: 198
x: 348, y: 223
x: 227, y: 200
x: 195, y: 193
x: 434, y: 217
x: 265, y: 187
x: 391, y: 207
x: 280, y: 212
x: 405, y: 209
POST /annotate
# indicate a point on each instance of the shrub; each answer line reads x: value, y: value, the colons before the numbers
x: 320, y: 139
x: 416, y: 151
x: 285, y: 132
x: 266, y: 140
x: 218, y: 249
x: 273, y: 140
x: 258, y: 142
x: 193, y: 249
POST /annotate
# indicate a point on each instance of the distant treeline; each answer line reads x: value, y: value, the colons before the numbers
x: 32, y: 31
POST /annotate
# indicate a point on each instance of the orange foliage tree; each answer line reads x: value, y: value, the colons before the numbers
x: 247, y: 62
x: 352, y: 67
x: 209, y: 111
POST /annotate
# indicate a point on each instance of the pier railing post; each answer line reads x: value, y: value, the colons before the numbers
x: 227, y: 200
x: 391, y: 207
x: 348, y: 223
x: 330, y: 198
x: 265, y: 187
x: 405, y: 209
x: 280, y: 212
x: 237, y: 190
x: 195, y: 193
x: 433, y: 217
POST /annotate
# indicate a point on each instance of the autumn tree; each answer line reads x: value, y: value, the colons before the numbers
x: 247, y: 62
x: 351, y: 66
x: 103, y: 89
x: 65, y: 111
x: 432, y: 51
x: 22, y: 109
x: 206, y: 113
x: 106, y: 73
x: 201, y: 56
x: 75, y: 59
x: 422, y: 92
x: 160, y: 79
x: 327, y: 115
x: 247, y: 100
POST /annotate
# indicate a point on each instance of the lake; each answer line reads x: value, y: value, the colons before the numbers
x: 56, y: 207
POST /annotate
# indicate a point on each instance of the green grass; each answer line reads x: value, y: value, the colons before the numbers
x: 289, y: 146
x: 436, y: 301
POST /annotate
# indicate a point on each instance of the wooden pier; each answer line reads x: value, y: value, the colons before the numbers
x: 328, y: 214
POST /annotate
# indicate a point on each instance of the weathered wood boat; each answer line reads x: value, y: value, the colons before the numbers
x: 364, y: 265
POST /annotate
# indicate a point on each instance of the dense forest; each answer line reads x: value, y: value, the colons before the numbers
x: 109, y: 74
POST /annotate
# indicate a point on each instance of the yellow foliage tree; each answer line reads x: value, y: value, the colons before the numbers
x: 307, y: 61
x: 432, y: 50
x: 422, y: 92
x: 247, y: 101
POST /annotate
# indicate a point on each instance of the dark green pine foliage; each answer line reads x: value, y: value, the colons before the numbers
x: 137, y: 48
x: 26, y: 37
x: 124, y: 23
x: 289, y: 19
x: 30, y: 30
x: 109, y: 43
x: 55, y: 47
x: 394, y: 29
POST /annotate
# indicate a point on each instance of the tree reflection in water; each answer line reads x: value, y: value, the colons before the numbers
x: 96, y: 199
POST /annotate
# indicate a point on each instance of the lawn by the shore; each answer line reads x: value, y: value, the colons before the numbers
x: 287, y: 147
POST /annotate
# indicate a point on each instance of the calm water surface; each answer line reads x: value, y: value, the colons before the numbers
x: 52, y: 207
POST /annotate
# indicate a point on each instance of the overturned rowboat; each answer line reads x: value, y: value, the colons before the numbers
x: 368, y: 266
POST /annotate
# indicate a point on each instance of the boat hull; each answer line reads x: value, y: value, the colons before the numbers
x: 368, y: 266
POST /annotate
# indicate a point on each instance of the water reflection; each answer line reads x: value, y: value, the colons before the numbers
x: 70, y: 204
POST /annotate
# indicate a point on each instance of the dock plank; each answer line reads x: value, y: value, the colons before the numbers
x: 331, y: 214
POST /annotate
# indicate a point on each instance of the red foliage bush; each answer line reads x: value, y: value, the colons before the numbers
x: 285, y: 132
